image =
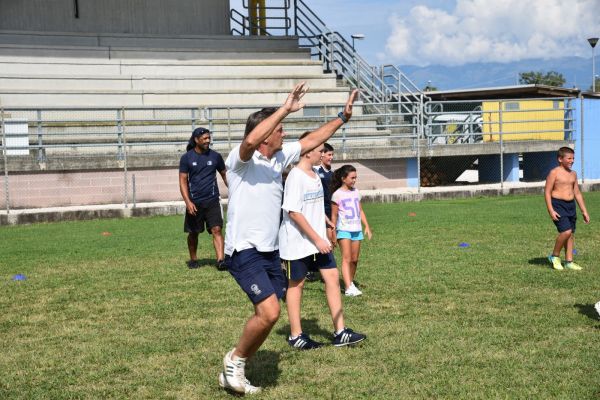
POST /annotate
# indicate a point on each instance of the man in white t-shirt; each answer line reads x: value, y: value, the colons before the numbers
x: 304, y: 246
x: 254, y: 170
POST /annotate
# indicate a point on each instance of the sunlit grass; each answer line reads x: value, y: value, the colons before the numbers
x: 120, y: 316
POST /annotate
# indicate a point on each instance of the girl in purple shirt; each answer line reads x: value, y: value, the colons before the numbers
x: 348, y: 217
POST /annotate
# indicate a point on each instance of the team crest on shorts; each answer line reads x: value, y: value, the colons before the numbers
x: 255, y: 289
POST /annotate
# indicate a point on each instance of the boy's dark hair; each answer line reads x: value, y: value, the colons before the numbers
x: 305, y: 134
x: 256, y: 118
x: 327, y: 147
x: 197, y: 133
x: 339, y: 174
x: 563, y: 151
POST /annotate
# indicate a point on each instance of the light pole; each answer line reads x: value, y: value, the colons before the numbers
x: 593, y: 42
x: 357, y: 36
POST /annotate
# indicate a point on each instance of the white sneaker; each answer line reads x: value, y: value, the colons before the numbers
x: 248, y: 388
x: 597, y: 307
x: 233, y: 376
x: 352, y: 291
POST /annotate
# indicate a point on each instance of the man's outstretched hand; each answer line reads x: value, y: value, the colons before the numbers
x: 293, y: 103
x: 348, y: 107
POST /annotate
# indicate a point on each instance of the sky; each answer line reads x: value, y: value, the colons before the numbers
x: 456, y: 32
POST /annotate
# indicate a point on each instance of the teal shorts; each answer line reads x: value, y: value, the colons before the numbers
x: 350, y: 235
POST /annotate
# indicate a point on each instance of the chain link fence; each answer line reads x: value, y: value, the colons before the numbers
x: 60, y: 157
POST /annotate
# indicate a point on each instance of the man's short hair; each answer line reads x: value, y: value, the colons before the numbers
x: 327, y: 148
x: 256, y: 118
x: 563, y: 151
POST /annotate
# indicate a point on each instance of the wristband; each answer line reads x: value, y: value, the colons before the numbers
x: 342, y: 117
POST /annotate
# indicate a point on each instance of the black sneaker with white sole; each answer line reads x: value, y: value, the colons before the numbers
x: 304, y: 342
x: 347, y: 337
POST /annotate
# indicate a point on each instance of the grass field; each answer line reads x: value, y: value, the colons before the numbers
x: 120, y: 316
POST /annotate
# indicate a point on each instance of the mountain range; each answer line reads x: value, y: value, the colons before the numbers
x: 577, y: 72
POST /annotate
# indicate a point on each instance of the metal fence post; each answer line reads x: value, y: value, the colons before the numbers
x: 581, y: 104
x: 419, y: 135
x: 125, y: 181
x: 119, y: 134
x: 193, y: 112
x: 133, y: 189
x: 6, y: 185
x: 229, y: 128
x: 295, y: 17
x: 41, y: 152
x: 501, y: 145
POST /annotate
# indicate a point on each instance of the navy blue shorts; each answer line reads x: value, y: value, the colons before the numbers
x: 259, y: 274
x: 297, y: 269
x: 207, y: 215
x: 567, y: 212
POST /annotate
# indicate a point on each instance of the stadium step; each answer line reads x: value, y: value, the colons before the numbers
x: 29, y: 66
x: 158, y: 98
x: 177, y: 83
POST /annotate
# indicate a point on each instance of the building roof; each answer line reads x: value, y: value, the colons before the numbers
x: 504, y: 92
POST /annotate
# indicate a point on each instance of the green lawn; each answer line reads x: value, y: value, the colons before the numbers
x: 120, y: 316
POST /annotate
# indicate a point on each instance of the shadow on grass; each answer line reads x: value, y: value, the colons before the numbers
x: 263, y: 369
x: 203, y: 263
x: 309, y: 326
x: 539, y: 261
x: 588, y: 310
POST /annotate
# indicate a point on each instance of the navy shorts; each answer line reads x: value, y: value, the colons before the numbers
x: 567, y: 212
x: 297, y: 269
x: 207, y: 214
x: 259, y: 274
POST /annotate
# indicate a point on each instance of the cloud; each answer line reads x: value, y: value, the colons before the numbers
x: 498, y: 31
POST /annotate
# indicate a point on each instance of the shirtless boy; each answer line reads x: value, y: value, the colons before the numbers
x: 561, y: 192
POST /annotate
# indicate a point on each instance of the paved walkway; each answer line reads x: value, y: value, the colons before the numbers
x: 73, y: 213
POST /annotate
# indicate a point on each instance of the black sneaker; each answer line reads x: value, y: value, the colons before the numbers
x: 347, y: 337
x: 311, y: 276
x: 304, y: 342
x: 193, y: 264
x: 222, y: 265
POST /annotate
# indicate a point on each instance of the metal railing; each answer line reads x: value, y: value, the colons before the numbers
x: 459, y: 122
x: 256, y: 20
x: 384, y: 88
x: 462, y: 142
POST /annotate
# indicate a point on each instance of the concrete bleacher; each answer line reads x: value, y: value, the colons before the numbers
x: 120, y: 70
x: 149, y: 76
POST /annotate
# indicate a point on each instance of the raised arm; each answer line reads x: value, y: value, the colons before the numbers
x: 327, y: 130
x: 266, y: 127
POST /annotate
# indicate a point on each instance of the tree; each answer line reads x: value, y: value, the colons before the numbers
x: 429, y: 87
x: 597, y: 84
x: 551, y: 78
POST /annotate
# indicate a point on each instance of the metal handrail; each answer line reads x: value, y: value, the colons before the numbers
x: 248, y: 24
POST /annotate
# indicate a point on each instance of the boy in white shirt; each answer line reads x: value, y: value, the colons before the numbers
x: 304, y: 245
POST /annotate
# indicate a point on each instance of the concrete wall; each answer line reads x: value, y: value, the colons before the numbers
x: 163, y: 17
x: 52, y: 189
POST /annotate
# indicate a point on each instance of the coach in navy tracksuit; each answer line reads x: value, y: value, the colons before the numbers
x: 198, y: 186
